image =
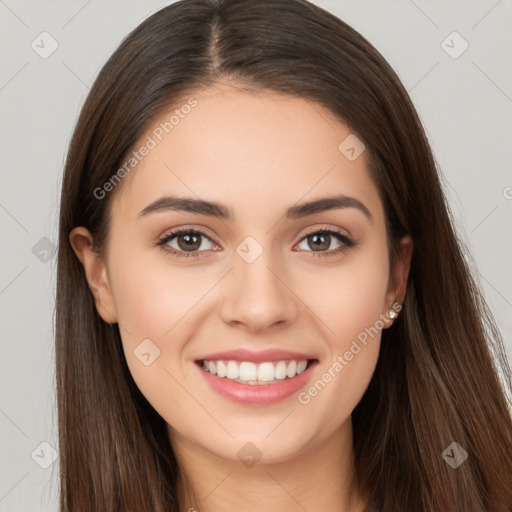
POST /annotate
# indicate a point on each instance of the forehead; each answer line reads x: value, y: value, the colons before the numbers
x: 257, y: 152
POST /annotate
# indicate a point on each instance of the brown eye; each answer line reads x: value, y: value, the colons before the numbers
x: 185, y: 242
x: 320, y: 242
x: 189, y: 242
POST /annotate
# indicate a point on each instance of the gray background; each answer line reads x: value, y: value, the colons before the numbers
x: 465, y: 104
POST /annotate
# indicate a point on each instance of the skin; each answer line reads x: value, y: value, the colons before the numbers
x: 259, y: 154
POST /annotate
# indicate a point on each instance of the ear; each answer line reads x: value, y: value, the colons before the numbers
x: 95, y: 273
x: 400, y: 272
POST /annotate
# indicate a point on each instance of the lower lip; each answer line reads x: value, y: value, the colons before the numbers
x: 258, y: 394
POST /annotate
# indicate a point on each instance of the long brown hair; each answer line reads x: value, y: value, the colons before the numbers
x: 436, y: 380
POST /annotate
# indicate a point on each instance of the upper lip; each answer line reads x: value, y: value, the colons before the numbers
x: 260, y: 356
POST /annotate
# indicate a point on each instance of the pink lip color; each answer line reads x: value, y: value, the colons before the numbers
x: 261, y: 356
x: 258, y: 394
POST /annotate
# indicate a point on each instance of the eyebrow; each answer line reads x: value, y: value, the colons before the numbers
x: 213, y: 209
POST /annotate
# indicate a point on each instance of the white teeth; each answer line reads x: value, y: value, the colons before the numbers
x: 248, y: 371
x: 266, y: 372
x: 251, y: 373
x: 233, y: 370
x: 222, y: 369
x: 280, y: 371
x: 301, y: 366
x: 292, y: 369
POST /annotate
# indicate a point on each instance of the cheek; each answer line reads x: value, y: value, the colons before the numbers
x: 162, y: 303
x: 350, y: 303
x: 156, y: 303
x: 351, y: 298
x: 154, y: 300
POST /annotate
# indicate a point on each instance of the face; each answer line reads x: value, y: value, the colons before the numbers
x: 256, y: 294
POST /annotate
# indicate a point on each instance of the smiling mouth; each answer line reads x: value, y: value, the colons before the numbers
x: 247, y: 372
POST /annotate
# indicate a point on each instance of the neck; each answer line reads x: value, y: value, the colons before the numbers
x: 318, y: 478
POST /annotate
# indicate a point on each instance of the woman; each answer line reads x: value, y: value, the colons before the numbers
x: 262, y: 302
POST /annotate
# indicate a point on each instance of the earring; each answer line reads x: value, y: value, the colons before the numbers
x: 392, y: 313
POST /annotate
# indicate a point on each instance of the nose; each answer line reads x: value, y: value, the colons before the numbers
x: 259, y: 298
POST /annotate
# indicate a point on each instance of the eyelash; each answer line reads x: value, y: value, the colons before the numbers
x: 347, y: 243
